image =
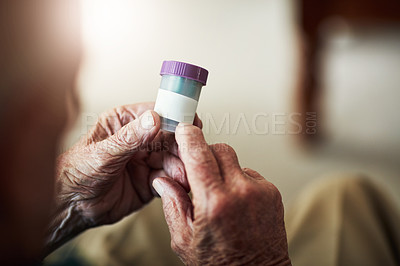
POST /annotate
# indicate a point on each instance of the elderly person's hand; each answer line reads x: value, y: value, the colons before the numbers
x: 108, y: 173
x: 235, y: 217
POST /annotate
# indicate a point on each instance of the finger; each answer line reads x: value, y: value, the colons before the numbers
x: 252, y: 174
x: 174, y: 168
x: 113, y: 120
x: 132, y: 136
x: 172, y: 146
x: 200, y: 164
x: 197, y: 121
x: 153, y: 175
x: 139, y: 108
x: 178, y: 209
x: 172, y: 165
x: 227, y: 161
x: 130, y: 112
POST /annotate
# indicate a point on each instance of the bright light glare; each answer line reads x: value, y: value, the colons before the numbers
x: 105, y: 23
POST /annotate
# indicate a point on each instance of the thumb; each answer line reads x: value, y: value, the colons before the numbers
x: 178, y: 209
x: 132, y: 136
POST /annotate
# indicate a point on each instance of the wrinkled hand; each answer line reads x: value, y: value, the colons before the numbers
x: 108, y: 174
x: 235, y: 217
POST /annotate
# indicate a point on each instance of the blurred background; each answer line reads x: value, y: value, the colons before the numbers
x: 268, y: 60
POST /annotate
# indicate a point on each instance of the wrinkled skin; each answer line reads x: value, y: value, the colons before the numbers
x: 108, y: 174
x: 235, y: 217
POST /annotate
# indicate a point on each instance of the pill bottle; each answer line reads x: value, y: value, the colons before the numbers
x: 179, y: 93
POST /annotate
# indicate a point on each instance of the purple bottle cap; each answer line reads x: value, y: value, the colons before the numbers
x: 184, y: 70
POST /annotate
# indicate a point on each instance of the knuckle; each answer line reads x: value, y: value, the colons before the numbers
x: 174, y: 246
x: 223, y: 148
x: 227, y: 158
x: 199, y: 154
x: 246, y: 190
x: 125, y: 141
x: 251, y: 172
x: 200, y: 157
x: 193, y: 130
x: 275, y: 193
x: 269, y: 191
x: 178, y: 242
x: 110, y: 120
x: 218, y: 206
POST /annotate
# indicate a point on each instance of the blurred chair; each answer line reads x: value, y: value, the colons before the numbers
x: 313, y: 13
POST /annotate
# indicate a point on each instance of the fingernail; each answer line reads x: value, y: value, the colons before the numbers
x: 158, y: 187
x: 147, y: 120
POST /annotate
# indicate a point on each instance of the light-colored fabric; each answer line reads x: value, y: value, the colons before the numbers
x: 139, y: 239
x: 344, y: 221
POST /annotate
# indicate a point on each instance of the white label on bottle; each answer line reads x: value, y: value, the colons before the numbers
x: 175, y: 106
